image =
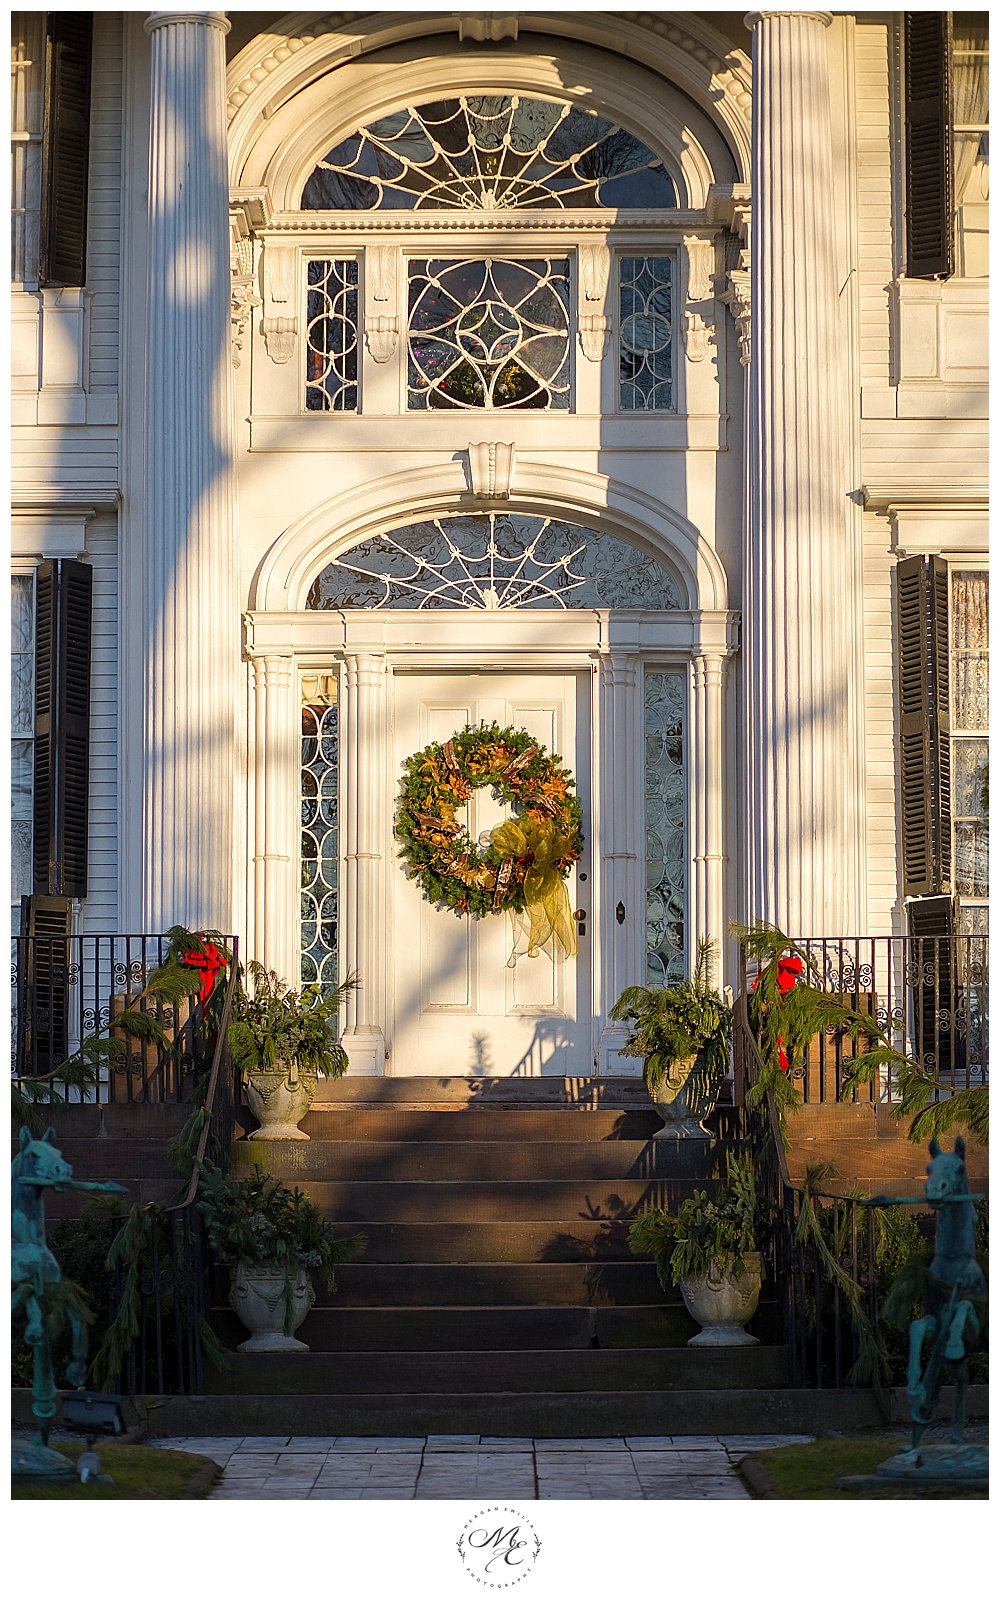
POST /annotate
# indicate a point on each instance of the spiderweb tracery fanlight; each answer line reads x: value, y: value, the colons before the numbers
x: 489, y: 153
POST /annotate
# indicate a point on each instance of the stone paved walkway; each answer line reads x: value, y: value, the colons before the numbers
x: 478, y: 1467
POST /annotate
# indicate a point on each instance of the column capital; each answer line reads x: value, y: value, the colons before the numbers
x: 204, y: 19
x: 824, y: 18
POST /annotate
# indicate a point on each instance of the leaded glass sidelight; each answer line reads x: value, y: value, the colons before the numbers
x: 665, y: 802
x: 332, y: 336
x: 645, y: 333
x: 320, y: 830
x: 489, y: 153
x: 495, y: 562
x: 488, y: 335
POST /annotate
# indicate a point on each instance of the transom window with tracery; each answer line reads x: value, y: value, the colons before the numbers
x: 500, y: 561
x: 490, y: 152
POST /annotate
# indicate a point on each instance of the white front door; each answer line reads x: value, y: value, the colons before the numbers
x: 460, y: 1008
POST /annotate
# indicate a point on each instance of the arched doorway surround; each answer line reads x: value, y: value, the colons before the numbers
x: 598, y: 658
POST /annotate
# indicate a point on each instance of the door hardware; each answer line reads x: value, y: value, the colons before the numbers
x: 620, y: 913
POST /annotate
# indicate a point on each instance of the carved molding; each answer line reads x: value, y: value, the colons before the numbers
x: 381, y: 335
x: 697, y: 335
x: 595, y: 336
x: 595, y: 266
x: 491, y: 470
x: 279, y: 337
x: 487, y: 27
x: 380, y: 273
x: 244, y: 300
x: 279, y: 272
x: 700, y: 268
x: 737, y: 297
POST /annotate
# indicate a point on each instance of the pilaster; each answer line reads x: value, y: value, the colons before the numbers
x: 622, y: 826
x: 189, y: 585
x: 364, y: 915
x: 275, y: 807
x: 804, y: 814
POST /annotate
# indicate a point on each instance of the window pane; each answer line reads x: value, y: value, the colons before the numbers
x: 488, y: 335
x: 645, y: 355
x: 319, y: 845
x: 495, y: 562
x: 332, y: 336
x: 22, y: 617
x: 968, y: 772
x: 970, y: 651
x: 21, y: 778
x: 20, y: 859
x: 665, y: 852
x: 493, y: 152
x: 972, y: 859
x: 22, y: 695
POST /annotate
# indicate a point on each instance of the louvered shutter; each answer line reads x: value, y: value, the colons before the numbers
x: 931, y: 965
x: 66, y: 149
x: 924, y: 723
x: 43, y: 984
x: 64, y: 593
x: 930, y: 241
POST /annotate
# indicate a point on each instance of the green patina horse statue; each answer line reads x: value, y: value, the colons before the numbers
x: 35, y: 1287
x: 949, y: 1287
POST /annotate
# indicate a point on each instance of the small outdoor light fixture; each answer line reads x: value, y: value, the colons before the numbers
x: 96, y: 1415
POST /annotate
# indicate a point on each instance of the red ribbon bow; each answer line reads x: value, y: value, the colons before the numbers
x: 209, y: 962
x: 790, y: 968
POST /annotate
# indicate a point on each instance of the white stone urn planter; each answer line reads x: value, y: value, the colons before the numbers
x: 279, y: 1099
x: 258, y: 1294
x: 687, y: 1095
x: 722, y: 1304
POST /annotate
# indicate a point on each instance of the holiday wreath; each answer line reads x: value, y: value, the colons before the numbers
x: 520, y: 865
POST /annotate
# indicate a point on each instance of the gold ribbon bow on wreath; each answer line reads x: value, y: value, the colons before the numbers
x: 546, y: 898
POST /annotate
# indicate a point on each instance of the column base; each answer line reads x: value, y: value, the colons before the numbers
x: 366, y: 1052
x: 611, y: 1062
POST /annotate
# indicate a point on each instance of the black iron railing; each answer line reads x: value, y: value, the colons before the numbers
x: 823, y: 1338
x: 174, y: 1273
x: 65, y: 989
x: 930, y: 996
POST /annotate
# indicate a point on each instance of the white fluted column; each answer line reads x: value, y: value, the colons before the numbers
x: 276, y: 806
x: 622, y: 828
x: 804, y: 807
x: 706, y: 771
x: 363, y: 919
x: 191, y: 621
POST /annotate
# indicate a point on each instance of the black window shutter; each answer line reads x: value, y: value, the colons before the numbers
x: 43, y: 984
x: 64, y: 597
x: 931, y: 957
x: 924, y: 723
x: 66, y: 148
x: 930, y: 242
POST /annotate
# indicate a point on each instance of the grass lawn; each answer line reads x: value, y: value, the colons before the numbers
x: 137, y: 1473
x: 810, y: 1470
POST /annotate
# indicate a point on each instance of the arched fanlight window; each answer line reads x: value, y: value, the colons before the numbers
x: 489, y: 152
x: 500, y: 561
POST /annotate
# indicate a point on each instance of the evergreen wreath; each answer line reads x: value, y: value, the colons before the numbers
x: 439, y: 850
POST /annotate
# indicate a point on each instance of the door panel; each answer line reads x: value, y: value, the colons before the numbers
x: 463, y: 1004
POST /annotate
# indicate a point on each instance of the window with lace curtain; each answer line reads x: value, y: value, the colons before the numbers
x: 969, y: 651
x: 971, y: 141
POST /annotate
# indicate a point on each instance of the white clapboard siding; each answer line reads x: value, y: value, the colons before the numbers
x: 79, y: 460
x: 875, y: 265
x: 881, y: 775
x: 104, y: 214
x: 100, y: 908
x: 927, y: 453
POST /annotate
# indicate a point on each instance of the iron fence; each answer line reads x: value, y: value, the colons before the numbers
x: 172, y: 1267
x: 929, y: 994
x: 66, y: 989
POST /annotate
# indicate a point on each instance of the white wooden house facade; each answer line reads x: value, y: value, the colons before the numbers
x: 693, y: 464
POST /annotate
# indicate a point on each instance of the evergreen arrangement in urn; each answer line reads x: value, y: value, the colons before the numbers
x: 260, y: 1221
x: 705, y: 1232
x: 274, y: 1025
x: 672, y: 1026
